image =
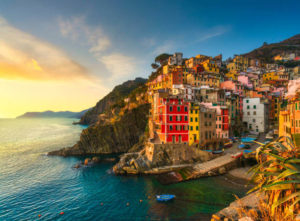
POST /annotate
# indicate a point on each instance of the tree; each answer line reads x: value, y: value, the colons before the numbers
x: 162, y: 58
x: 154, y: 65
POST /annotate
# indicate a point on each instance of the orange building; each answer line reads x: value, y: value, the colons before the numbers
x: 289, y: 118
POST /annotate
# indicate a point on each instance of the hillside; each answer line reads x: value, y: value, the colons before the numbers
x: 116, y: 95
x: 268, y: 51
x: 52, y: 114
x: 116, y: 125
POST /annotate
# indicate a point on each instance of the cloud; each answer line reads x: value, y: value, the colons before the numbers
x: 78, y: 30
x: 148, y: 42
x: 24, y: 56
x: 119, y: 65
x: 213, y: 32
x: 166, y: 47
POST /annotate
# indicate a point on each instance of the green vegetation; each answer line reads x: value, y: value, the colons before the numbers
x: 277, y: 175
x: 162, y: 58
x: 289, y: 64
x: 267, y: 52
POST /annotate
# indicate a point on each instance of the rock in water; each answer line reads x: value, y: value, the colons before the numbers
x: 95, y: 159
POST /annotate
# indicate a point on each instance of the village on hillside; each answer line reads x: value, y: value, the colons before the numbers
x: 205, y: 102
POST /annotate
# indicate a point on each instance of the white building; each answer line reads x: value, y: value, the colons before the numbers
x: 185, y: 90
x: 255, y: 114
x: 176, y: 59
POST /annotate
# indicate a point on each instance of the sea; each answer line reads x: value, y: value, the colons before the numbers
x: 35, y: 186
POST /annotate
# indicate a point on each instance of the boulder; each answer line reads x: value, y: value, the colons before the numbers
x: 95, y: 159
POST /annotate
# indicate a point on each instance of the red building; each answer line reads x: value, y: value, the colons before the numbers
x: 173, y: 120
x: 225, y: 121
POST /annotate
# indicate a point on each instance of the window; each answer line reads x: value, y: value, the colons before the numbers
x: 191, y: 127
x: 197, y: 128
x: 253, y: 120
x: 248, y: 113
x: 247, y: 101
x: 191, y: 111
x: 196, y: 119
x: 185, y: 109
x: 171, y: 108
x: 254, y: 106
x: 171, y: 128
x: 205, y: 115
x: 254, y: 112
x: 185, y: 118
x: 220, y: 118
x: 191, y: 120
x: 178, y: 108
x: 219, y: 125
x: 248, y: 107
x: 209, y: 115
x: 170, y: 118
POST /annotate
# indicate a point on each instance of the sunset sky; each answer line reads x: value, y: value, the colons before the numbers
x: 67, y: 54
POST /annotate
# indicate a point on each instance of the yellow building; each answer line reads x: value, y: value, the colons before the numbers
x: 275, y: 76
x: 204, y: 79
x: 289, y: 120
x: 240, y: 63
x: 210, y: 66
x: 167, y: 69
x: 278, y: 58
x: 194, y: 124
x: 202, y: 126
x: 232, y: 75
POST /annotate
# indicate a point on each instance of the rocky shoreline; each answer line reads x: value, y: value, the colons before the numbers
x: 158, y: 159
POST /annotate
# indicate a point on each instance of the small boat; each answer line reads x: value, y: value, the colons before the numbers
x: 247, y: 139
x: 242, y: 146
x: 164, y: 197
x: 229, y: 144
x: 237, y: 155
x: 217, y: 151
x: 248, y: 151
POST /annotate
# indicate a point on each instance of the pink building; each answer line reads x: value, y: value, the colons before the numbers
x: 244, y: 80
x: 237, y: 88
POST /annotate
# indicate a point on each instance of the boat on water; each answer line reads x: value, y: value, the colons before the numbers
x: 237, y: 155
x: 248, y: 139
x: 229, y: 144
x: 164, y: 197
x: 217, y: 151
x: 248, y: 151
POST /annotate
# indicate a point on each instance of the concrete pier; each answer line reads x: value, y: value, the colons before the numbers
x: 217, y: 166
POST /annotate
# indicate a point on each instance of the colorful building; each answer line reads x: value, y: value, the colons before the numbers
x: 171, y: 118
x: 203, y: 79
x: 202, y: 126
x: 289, y: 118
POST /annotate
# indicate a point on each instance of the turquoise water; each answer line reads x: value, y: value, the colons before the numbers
x: 32, y: 183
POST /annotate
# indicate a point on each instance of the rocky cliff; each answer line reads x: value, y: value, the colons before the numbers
x: 115, y: 96
x: 158, y: 158
x: 115, y: 137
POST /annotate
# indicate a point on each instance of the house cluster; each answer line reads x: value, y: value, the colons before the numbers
x: 287, y: 57
x: 289, y: 117
x: 204, y: 101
